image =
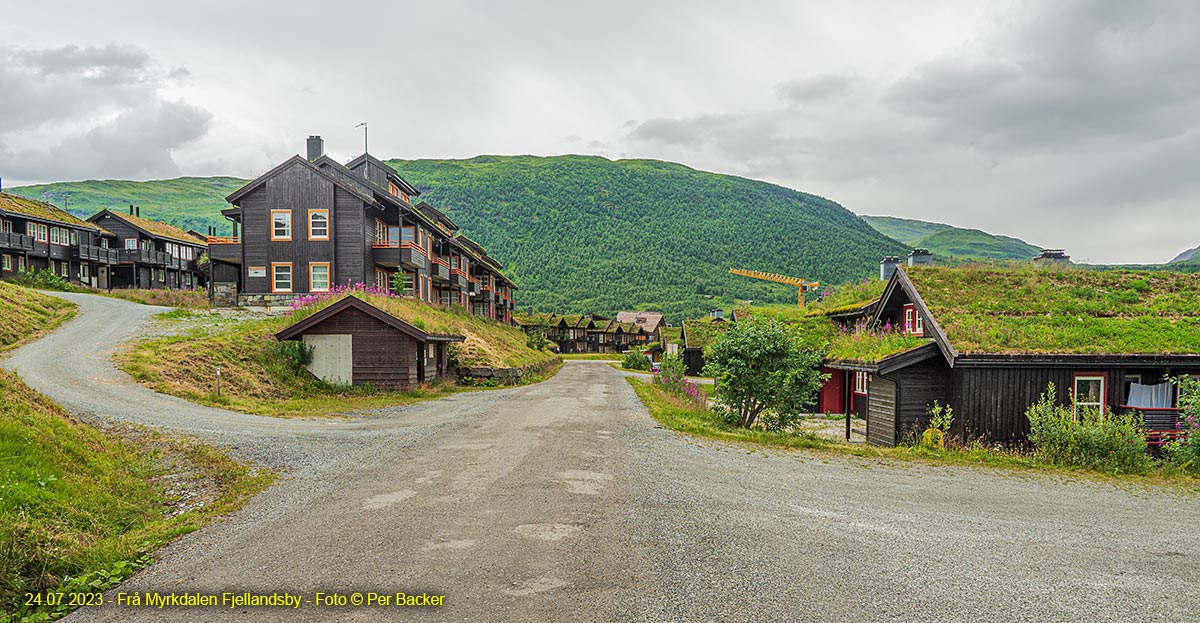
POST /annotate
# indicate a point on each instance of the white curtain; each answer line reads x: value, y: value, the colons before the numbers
x: 1161, y: 396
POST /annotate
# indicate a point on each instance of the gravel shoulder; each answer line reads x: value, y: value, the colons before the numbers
x: 564, y: 501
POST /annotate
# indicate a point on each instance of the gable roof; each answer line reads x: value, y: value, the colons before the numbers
x: 700, y: 332
x: 150, y: 227
x: 408, y: 189
x: 298, y: 160
x: 351, y: 302
x: 40, y: 210
x: 648, y: 320
x: 1030, y: 312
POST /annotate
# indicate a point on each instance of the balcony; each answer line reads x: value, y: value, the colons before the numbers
x: 89, y: 253
x: 226, y: 249
x: 458, y: 279
x: 394, y: 254
x: 143, y: 256
x: 439, y: 269
x: 12, y: 241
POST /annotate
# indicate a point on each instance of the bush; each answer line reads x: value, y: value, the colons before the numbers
x: 42, y: 280
x: 635, y: 360
x: 1076, y: 436
x: 1185, y: 453
x: 295, y: 353
x: 940, y: 418
x: 536, y: 340
x: 672, y: 377
x: 763, y: 370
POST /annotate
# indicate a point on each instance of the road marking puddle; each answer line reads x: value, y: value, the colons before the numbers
x: 547, y: 531
x: 584, y: 482
x: 459, y: 544
x: 385, y: 500
x: 534, y: 586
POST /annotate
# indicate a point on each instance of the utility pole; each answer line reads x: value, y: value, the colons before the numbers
x: 363, y: 125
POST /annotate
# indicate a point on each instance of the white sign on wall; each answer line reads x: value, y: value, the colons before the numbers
x: 256, y: 271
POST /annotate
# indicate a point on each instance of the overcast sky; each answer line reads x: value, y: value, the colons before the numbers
x: 1067, y: 124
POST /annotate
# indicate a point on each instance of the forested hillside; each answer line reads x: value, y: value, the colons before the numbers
x: 946, y: 240
x: 186, y: 202
x: 586, y: 233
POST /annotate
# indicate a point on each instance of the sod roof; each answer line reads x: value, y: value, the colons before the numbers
x: 157, y: 228
x: 856, y: 345
x: 1029, y: 310
x: 41, y: 210
x: 700, y: 332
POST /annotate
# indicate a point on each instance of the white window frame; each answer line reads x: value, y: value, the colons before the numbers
x: 274, y: 229
x: 131, y: 247
x: 7, y: 262
x: 860, y: 383
x: 311, y: 230
x: 312, y: 266
x: 5, y: 226
x: 275, y: 277
x: 1102, y: 406
x: 83, y: 272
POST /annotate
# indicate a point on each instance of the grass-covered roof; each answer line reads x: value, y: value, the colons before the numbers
x: 858, y: 345
x: 33, y: 208
x: 1029, y: 310
x: 699, y: 332
x: 157, y: 228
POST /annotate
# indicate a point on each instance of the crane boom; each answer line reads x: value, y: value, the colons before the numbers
x: 801, y: 285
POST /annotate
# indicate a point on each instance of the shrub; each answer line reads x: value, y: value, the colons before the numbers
x: 940, y: 418
x: 295, y: 353
x: 635, y: 360
x: 762, y: 369
x: 1077, y: 436
x: 1184, y: 453
x: 536, y: 339
x: 42, y: 280
x: 672, y: 377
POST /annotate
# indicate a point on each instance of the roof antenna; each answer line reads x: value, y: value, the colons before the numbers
x: 363, y: 125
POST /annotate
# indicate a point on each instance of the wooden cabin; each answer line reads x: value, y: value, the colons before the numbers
x: 150, y: 254
x: 649, y: 322
x: 697, y: 334
x: 35, y: 235
x: 356, y: 343
x: 988, y: 342
x: 311, y: 224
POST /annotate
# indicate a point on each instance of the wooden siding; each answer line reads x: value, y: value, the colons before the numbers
x: 918, y: 387
x: 881, y: 411
x: 349, y: 232
x: 383, y: 356
x: 297, y: 189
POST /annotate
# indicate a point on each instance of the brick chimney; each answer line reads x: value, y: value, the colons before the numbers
x: 316, y: 147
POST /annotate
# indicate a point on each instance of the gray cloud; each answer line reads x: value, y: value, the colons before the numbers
x: 74, y: 112
x: 815, y: 88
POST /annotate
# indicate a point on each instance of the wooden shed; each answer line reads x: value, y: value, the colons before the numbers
x: 357, y: 343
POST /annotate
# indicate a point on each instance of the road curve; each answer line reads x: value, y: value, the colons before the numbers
x: 563, y: 501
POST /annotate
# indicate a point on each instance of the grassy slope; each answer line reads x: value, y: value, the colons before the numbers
x: 27, y: 314
x: 946, y: 240
x: 906, y: 230
x: 186, y: 202
x: 254, y: 380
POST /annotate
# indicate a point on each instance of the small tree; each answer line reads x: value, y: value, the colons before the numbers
x: 763, y: 370
x: 635, y: 360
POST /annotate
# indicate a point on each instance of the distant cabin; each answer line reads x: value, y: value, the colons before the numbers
x: 356, y: 343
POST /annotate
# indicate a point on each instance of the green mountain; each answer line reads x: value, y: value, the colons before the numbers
x: 946, y: 240
x: 586, y: 233
x: 1190, y: 254
x: 582, y: 233
x: 186, y: 202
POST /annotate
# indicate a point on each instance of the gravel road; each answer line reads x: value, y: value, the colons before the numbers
x: 563, y: 501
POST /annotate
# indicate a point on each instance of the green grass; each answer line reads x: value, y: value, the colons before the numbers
x: 946, y: 241
x: 78, y: 503
x: 255, y: 380
x: 1030, y: 310
x: 26, y: 314
x: 686, y: 417
x: 906, y: 230
x: 191, y: 299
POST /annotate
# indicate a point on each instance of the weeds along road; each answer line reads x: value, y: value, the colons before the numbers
x: 564, y: 502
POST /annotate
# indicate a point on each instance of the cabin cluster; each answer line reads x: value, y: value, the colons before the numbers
x: 989, y: 341
x: 593, y: 333
x: 109, y: 250
x: 312, y: 224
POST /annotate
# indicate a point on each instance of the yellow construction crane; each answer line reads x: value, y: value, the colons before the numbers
x: 802, y: 286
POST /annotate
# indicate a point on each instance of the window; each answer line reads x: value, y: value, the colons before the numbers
x: 1090, y: 390
x: 7, y: 262
x: 318, y: 224
x: 913, y: 325
x: 5, y: 226
x: 281, y: 226
x: 42, y: 236
x: 382, y: 279
x: 83, y: 272
x: 162, y: 275
x: 53, y: 235
x: 860, y: 383
x: 404, y: 196
x: 394, y: 189
x: 410, y: 284
x: 281, y: 277
x: 64, y: 269
x: 74, y: 238
x: 408, y: 234
x: 21, y: 263
x: 131, y: 244
x: 380, y: 231
x: 318, y: 277
x: 31, y: 229
x: 104, y: 243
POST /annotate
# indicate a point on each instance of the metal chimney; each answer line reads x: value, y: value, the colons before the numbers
x: 316, y: 147
x: 131, y: 209
x: 887, y: 267
x: 138, y: 211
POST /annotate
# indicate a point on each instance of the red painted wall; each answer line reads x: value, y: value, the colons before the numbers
x: 830, y: 400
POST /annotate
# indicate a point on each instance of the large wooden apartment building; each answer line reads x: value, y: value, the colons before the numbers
x: 311, y: 224
x: 35, y: 235
x: 151, y: 254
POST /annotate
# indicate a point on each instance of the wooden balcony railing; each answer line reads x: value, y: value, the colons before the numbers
x: 397, y: 244
x: 224, y: 240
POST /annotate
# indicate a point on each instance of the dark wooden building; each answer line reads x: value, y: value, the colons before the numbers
x: 356, y: 343
x: 151, y: 254
x: 697, y: 334
x: 990, y: 356
x: 35, y: 235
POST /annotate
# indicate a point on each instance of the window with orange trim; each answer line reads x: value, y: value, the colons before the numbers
x: 318, y: 224
x: 281, y: 277
x: 281, y: 225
